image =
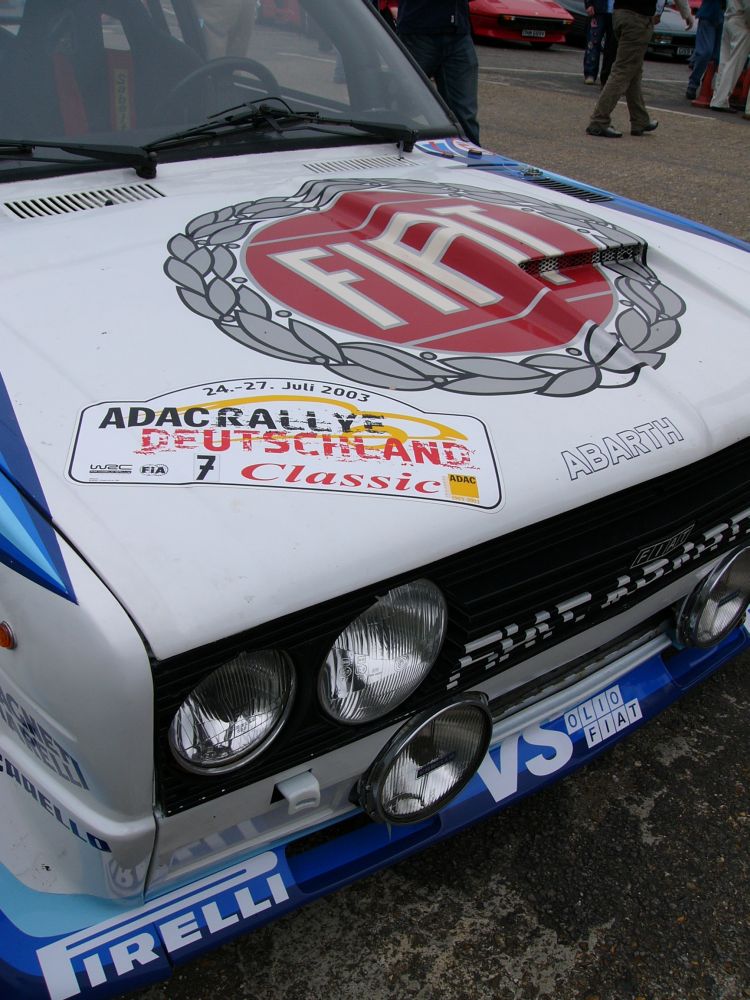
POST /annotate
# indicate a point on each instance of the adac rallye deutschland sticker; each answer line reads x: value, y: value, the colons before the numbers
x: 272, y: 433
x: 414, y: 286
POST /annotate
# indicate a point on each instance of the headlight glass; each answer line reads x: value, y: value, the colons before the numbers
x: 428, y: 762
x: 718, y: 603
x: 234, y: 713
x: 384, y: 655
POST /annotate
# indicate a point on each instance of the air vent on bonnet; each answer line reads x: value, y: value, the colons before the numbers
x: 79, y: 201
x: 575, y: 192
x: 563, y: 262
x: 366, y: 163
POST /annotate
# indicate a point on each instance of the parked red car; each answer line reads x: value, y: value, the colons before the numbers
x: 540, y: 22
x: 280, y: 12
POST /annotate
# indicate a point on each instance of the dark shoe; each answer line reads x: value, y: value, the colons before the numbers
x: 604, y: 133
x: 640, y: 129
x: 726, y: 110
x: 691, y: 93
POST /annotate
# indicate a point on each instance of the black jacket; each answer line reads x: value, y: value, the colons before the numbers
x: 645, y: 7
x: 433, y: 17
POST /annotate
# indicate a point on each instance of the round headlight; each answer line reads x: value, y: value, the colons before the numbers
x: 234, y: 713
x: 384, y: 655
x: 718, y: 603
x: 428, y: 762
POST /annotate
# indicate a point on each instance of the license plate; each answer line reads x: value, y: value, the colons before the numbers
x: 532, y: 33
x: 684, y: 52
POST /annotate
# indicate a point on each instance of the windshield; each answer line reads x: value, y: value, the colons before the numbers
x: 131, y: 72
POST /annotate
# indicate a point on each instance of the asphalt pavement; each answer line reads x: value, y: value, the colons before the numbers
x: 631, y: 879
x: 534, y: 106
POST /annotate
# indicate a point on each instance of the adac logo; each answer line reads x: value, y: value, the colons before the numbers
x: 473, y: 291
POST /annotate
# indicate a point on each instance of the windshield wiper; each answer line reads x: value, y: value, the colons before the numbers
x: 279, y: 117
x: 142, y: 159
x: 252, y: 116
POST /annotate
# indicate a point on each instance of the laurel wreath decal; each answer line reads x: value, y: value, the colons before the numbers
x: 203, y: 262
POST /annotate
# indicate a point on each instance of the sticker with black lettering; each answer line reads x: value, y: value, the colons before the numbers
x: 276, y: 434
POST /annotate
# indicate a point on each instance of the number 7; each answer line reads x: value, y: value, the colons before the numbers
x: 207, y: 462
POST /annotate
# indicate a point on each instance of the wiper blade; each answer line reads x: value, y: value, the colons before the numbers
x: 142, y: 159
x: 404, y: 136
x: 280, y: 117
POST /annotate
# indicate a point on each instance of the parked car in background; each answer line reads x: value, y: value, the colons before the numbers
x: 280, y: 12
x: 355, y: 482
x: 539, y: 22
x: 671, y: 36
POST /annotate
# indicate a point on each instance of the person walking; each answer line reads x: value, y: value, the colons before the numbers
x: 633, y: 26
x: 438, y: 35
x: 735, y: 48
x: 600, y: 41
x: 710, y: 18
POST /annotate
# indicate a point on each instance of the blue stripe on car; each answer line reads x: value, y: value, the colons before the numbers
x: 28, y: 543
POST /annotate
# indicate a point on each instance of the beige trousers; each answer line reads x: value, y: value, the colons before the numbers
x: 227, y: 26
x: 633, y: 33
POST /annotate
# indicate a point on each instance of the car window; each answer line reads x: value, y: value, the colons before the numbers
x: 129, y: 71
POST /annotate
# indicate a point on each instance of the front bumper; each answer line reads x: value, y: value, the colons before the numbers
x: 520, y: 30
x: 679, y: 48
x: 133, y: 947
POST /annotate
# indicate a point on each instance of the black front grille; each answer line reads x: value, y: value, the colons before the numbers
x: 507, y: 598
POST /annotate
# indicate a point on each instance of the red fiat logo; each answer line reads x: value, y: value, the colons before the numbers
x: 444, y: 274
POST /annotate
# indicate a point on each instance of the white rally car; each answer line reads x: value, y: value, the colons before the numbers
x: 354, y: 482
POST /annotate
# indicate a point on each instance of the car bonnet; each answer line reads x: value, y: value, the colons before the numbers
x: 249, y: 389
